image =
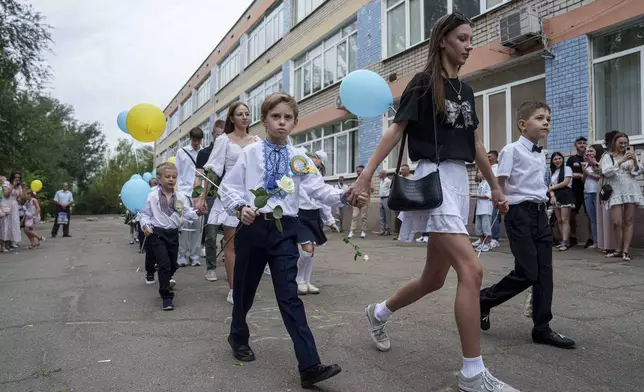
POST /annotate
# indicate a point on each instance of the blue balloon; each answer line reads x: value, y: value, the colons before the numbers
x: 154, y: 173
x: 134, y: 194
x: 365, y: 94
x: 120, y: 120
x: 147, y: 177
x: 136, y: 177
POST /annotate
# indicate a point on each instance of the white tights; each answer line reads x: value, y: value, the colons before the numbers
x: 304, y: 267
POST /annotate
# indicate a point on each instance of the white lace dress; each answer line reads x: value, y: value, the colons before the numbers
x: 222, y: 158
x: 623, y: 179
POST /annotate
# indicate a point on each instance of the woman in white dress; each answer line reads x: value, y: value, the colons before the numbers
x: 620, y: 169
x: 221, y: 160
x: 11, y: 192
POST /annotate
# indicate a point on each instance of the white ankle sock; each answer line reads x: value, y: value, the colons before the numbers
x: 382, y: 311
x: 472, y: 366
x: 303, y: 266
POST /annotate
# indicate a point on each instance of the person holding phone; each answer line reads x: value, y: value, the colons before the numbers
x: 11, y: 192
x: 621, y: 169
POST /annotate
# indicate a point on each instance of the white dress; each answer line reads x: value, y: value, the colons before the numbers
x: 449, y: 217
x: 11, y: 226
x: 222, y: 158
x: 623, y: 179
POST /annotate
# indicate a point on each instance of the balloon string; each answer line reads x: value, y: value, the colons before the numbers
x: 219, y: 188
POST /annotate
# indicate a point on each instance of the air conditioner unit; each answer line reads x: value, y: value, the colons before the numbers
x: 520, y: 27
x: 338, y: 103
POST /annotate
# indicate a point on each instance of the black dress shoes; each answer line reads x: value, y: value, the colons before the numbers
x: 553, y: 339
x: 318, y: 373
x: 241, y: 352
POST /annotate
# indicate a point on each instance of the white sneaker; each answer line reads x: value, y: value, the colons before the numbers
x: 483, y: 248
x: 483, y: 381
x: 182, y: 262
x: 203, y: 252
x: 173, y: 283
x: 350, y: 235
x: 211, y: 275
x: 494, y: 244
x: 229, y: 299
x: 131, y: 241
x: 302, y: 289
x: 312, y: 289
x: 377, y: 329
x: 194, y: 261
x: 424, y: 239
x: 267, y: 270
x: 363, y: 234
x: 476, y: 243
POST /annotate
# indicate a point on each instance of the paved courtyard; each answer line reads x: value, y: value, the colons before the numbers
x: 76, y: 315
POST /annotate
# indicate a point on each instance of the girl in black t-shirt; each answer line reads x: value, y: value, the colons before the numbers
x: 438, y: 91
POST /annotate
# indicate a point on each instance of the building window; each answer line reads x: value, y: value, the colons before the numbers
x: 257, y: 95
x: 304, y: 8
x: 186, y: 109
x: 203, y: 93
x: 221, y: 114
x: 617, y: 75
x: 327, y: 63
x: 269, y: 31
x: 496, y: 110
x: 228, y: 69
x: 391, y: 162
x: 174, y: 120
x: 409, y: 22
x: 339, y: 141
x: 207, y: 133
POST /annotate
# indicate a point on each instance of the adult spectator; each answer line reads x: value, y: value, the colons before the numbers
x: 12, y: 192
x: 605, y: 235
x: 209, y: 238
x: 341, y: 185
x: 360, y: 214
x: 186, y: 161
x: 63, y: 201
x: 576, y: 163
x: 385, y: 212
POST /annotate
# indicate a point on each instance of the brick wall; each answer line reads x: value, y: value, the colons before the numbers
x: 369, y: 134
x: 369, y: 36
x: 567, y: 93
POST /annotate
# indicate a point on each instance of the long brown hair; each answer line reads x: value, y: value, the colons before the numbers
x: 613, y: 144
x: 229, y: 127
x: 434, y: 67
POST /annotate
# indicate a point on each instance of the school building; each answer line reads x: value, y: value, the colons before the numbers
x: 584, y: 57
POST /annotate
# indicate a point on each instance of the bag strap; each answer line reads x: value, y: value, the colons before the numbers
x: 404, y: 140
x: 189, y: 156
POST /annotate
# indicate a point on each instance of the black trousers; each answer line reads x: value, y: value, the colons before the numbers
x: 530, y: 238
x: 54, y: 230
x: 163, y: 244
x: 254, y: 246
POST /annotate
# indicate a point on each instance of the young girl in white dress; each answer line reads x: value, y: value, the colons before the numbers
x: 221, y: 161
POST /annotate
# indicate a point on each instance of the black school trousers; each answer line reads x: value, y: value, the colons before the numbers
x: 530, y: 236
x: 164, y: 245
x: 255, y: 245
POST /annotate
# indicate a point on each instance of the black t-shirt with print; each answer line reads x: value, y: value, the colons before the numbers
x: 576, y: 163
x: 455, y: 131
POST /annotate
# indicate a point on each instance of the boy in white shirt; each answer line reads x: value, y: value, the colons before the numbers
x: 165, y: 212
x: 520, y: 174
x: 260, y: 240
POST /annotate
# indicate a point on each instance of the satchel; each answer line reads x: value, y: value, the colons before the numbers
x: 607, y: 190
x: 422, y: 194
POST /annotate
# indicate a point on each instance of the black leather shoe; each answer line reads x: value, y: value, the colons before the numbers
x: 318, y: 373
x: 241, y: 352
x: 485, y: 320
x: 553, y: 339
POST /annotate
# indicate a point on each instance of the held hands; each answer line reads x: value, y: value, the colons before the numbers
x: 147, y: 230
x: 247, y: 215
x: 201, y: 209
x: 334, y: 228
x: 499, y: 201
x: 358, y: 193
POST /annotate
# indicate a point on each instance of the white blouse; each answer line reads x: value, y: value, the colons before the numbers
x: 224, y: 155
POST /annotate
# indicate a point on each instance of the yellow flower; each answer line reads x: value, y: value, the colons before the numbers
x: 286, y: 185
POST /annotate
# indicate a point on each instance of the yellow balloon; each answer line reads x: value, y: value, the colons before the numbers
x: 172, y: 160
x: 36, y: 185
x: 145, y: 122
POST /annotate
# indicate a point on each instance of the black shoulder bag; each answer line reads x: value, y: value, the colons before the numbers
x: 607, y: 190
x: 422, y: 194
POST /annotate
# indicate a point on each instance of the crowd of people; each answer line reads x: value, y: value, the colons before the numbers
x: 271, y: 202
x: 20, y: 213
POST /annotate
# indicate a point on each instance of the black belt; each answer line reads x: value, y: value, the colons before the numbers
x: 164, y: 231
x: 270, y: 216
x: 533, y: 205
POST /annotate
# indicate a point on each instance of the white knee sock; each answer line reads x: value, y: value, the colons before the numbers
x: 309, y: 270
x: 472, y: 366
x: 382, y: 311
x: 302, y: 267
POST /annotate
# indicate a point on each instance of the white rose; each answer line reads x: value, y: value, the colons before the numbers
x: 365, y: 257
x: 286, y: 184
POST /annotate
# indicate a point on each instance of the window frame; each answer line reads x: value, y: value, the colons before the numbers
x: 507, y: 89
x: 262, y: 90
x: 635, y: 139
x: 187, y: 103
x: 203, y: 89
x: 385, y: 125
x: 310, y: 56
x: 222, y: 113
x: 232, y: 59
x: 312, y: 9
x: 345, y: 131
x: 275, y: 18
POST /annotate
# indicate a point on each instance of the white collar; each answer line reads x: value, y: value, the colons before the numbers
x: 527, y: 143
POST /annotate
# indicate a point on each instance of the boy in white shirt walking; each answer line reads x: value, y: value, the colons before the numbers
x: 269, y: 233
x: 483, y: 218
